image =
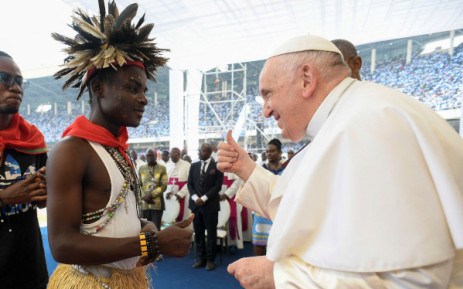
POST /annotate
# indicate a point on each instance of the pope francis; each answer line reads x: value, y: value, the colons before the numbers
x: 375, y: 200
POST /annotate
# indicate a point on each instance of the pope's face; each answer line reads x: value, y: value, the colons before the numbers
x: 282, y: 99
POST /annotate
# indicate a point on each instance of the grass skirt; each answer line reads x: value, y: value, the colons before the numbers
x: 67, y: 277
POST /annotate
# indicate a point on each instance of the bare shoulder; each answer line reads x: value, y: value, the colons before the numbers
x: 72, y: 151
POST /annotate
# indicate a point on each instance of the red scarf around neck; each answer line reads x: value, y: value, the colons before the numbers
x: 22, y: 136
x: 85, y: 129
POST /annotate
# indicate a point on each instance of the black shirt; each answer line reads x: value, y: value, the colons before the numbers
x: 22, y: 258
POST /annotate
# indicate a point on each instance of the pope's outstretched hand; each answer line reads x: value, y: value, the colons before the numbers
x: 253, y: 272
x: 233, y: 159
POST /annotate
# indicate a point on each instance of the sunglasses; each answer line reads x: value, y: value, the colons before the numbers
x: 8, y: 80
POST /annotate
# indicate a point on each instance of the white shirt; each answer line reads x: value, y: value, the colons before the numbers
x: 124, y: 223
x: 166, y: 164
x: 204, y: 166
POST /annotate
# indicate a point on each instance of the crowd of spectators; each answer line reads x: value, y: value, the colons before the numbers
x: 229, y: 111
x: 52, y: 126
x: 155, y: 121
x: 435, y: 79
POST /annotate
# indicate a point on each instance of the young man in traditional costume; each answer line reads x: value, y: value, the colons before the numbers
x: 94, y: 220
x: 379, y: 189
x: 23, y: 154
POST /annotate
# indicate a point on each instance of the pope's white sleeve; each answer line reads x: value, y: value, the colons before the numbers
x: 256, y: 192
x: 293, y: 272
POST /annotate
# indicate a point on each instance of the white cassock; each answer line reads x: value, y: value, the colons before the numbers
x: 169, y: 163
x: 375, y: 200
x: 214, y: 155
x: 236, y: 235
x: 178, y: 177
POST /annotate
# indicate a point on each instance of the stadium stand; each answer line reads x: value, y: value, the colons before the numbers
x: 435, y: 79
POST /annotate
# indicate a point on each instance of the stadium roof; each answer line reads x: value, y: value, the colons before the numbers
x: 207, y: 33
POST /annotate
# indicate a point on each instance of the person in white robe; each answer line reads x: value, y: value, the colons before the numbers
x: 239, y: 215
x: 136, y: 161
x: 165, y: 159
x: 177, y: 172
x: 374, y: 201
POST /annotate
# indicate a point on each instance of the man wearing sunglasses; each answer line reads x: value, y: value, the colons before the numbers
x: 22, y: 187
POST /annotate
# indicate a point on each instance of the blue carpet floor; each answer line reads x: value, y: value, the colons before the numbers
x: 176, y: 273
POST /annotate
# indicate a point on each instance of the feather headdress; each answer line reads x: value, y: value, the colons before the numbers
x: 107, y: 41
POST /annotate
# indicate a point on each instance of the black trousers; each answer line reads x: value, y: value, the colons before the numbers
x: 154, y: 216
x: 201, y: 223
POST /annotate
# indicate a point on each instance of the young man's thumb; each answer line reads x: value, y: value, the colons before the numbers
x: 186, y: 223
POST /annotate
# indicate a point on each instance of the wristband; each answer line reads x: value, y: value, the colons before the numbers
x: 145, y: 252
x: 149, y: 245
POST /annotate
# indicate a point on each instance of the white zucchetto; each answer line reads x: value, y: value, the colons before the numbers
x: 304, y: 43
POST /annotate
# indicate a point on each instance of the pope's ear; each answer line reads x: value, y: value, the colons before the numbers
x: 309, y: 80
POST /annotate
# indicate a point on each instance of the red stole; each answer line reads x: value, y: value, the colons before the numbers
x: 22, y: 136
x: 232, y: 223
x: 83, y: 128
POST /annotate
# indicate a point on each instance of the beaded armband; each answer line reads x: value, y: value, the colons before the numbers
x: 145, y: 245
x: 149, y: 245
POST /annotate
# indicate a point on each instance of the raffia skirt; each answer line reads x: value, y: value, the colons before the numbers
x: 68, y: 277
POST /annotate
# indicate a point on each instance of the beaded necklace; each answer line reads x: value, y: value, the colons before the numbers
x: 131, y: 182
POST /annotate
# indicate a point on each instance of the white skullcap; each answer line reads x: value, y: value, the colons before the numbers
x: 304, y: 43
